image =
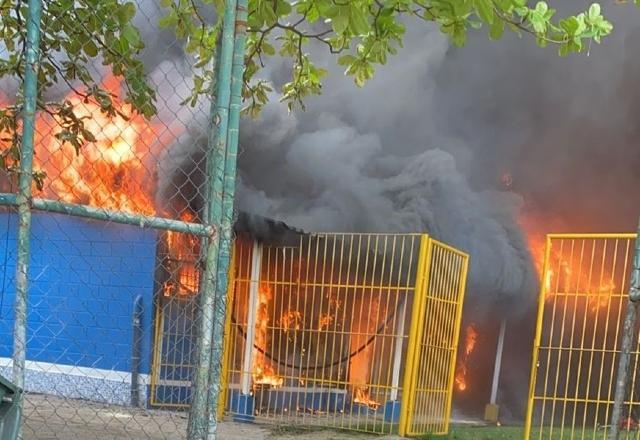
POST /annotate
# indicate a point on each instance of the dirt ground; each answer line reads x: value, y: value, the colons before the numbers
x: 48, y: 417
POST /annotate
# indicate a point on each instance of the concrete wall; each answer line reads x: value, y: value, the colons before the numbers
x: 84, y: 277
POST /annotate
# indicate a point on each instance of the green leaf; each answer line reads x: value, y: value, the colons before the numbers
x: 594, y: 11
x: 90, y: 48
x: 358, y: 21
x: 283, y: 8
x: 496, y: 30
x: 346, y: 60
x: 339, y: 24
x: 131, y: 35
x: 542, y: 7
x: 484, y: 9
x: 125, y: 13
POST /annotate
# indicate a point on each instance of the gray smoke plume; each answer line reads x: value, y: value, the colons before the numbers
x: 375, y: 160
x: 423, y: 147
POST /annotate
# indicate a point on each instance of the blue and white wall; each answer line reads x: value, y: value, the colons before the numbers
x: 84, y: 278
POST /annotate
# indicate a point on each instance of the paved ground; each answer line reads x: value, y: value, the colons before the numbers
x: 48, y: 417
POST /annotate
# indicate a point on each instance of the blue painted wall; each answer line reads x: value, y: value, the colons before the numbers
x: 84, y: 277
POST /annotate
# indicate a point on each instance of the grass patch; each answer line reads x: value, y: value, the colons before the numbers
x: 480, y: 433
x: 277, y: 430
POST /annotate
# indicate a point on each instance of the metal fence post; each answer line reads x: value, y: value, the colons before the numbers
x: 24, y: 195
x: 627, y: 343
x: 226, y: 224
x: 217, y: 146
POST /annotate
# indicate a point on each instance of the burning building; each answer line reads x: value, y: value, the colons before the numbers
x: 349, y: 329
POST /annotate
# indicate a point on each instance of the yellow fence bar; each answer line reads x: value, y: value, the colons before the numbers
x: 339, y: 330
x: 226, y: 355
x: 536, y: 341
x: 430, y: 398
x: 581, y: 305
x: 410, y: 372
x: 456, y: 338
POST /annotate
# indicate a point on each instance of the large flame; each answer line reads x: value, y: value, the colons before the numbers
x: 110, y: 172
x: 263, y: 373
x: 565, y: 274
x: 116, y: 171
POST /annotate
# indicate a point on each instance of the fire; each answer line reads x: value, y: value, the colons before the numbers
x: 291, y: 320
x: 324, y: 321
x: 471, y: 338
x: 109, y: 172
x: 114, y: 171
x: 363, y: 398
x: 183, y: 251
x: 262, y: 372
x: 564, y: 274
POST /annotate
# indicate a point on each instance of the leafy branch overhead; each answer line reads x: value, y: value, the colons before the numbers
x: 78, y: 35
x: 363, y: 34
x: 75, y: 36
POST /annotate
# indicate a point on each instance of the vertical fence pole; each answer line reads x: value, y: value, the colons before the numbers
x: 627, y: 343
x: 536, y: 342
x: 397, y: 353
x: 217, y: 146
x: 24, y: 195
x: 498, y: 363
x: 226, y: 223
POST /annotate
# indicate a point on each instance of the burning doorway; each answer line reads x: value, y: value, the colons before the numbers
x: 356, y: 331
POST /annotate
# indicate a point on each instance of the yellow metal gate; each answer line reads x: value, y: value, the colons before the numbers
x: 353, y: 331
x: 431, y: 365
x: 581, y: 309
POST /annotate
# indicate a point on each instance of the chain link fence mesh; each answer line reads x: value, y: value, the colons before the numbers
x: 99, y: 284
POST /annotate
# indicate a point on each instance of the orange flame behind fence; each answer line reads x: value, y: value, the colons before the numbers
x: 110, y: 172
x: 183, y: 250
x: 564, y: 273
x: 362, y: 397
x: 262, y: 371
x: 471, y: 337
x: 114, y: 172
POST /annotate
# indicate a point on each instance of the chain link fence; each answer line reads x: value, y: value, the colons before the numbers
x: 106, y: 225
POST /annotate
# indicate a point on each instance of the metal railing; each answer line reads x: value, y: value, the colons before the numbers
x: 582, y: 303
x: 352, y: 331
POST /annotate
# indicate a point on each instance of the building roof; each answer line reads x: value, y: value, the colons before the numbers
x: 267, y: 230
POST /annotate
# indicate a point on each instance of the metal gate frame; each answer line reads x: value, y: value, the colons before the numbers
x: 572, y: 395
x: 431, y: 344
x: 426, y: 357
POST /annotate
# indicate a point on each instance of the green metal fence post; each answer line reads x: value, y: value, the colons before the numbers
x: 217, y: 146
x: 226, y: 225
x: 628, y: 333
x: 32, y: 56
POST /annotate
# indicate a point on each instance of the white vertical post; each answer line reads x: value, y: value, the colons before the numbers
x: 397, y: 354
x: 496, y: 367
x: 252, y: 313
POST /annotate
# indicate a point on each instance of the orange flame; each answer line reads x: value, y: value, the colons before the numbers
x: 115, y: 171
x: 291, y: 320
x: 262, y: 371
x: 471, y: 338
x: 563, y: 273
x: 110, y: 172
x: 324, y: 321
x: 363, y: 398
